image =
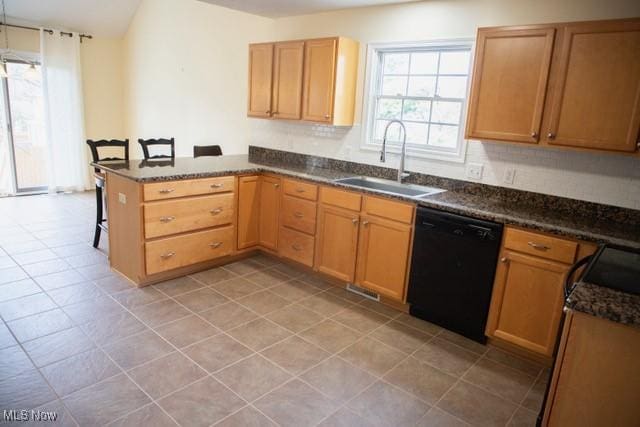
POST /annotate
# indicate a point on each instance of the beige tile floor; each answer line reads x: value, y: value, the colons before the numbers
x: 255, y: 343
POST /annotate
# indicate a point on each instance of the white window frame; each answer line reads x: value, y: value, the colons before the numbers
x: 373, y: 80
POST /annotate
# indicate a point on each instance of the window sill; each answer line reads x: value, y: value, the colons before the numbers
x: 443, y: 156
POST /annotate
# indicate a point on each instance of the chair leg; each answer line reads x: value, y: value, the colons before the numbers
x: 96, y: 236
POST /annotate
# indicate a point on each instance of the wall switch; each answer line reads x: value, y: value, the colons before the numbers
x: 509, y: 175
x: 122, y: 198
x: 474, y: 171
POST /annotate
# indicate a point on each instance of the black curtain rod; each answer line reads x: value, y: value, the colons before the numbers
x: 82, y: 36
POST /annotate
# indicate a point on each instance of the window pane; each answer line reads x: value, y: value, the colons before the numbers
x: 422, y: 86
x: 394, y: 85
x: 416, y: 110
x: 392, y: 135
x: 443, y: 136
x: 454, y: 62
x: 416, y: 133
x: 389, y: 108
x: 424, y: 63
x: 446, y: 112
x: 396, y: 63
x: 452, y: 87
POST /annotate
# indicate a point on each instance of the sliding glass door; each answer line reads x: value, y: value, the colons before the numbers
x: 23, y: 157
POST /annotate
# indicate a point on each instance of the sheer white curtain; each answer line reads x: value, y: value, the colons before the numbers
x: 64, y: 111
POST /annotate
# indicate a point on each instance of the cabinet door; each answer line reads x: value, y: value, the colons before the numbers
x: 260, y: 72
x: 509, y: 84
x: 319, y: 80
x: 383, y: 254
x: 337, y: 242
x: 248, y: 211
x: 596, y: 96
x: 287, y: 80
x: 526, y: 305
x: 269, y: 212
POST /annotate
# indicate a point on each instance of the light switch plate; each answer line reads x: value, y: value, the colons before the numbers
x: 122, y: 198
x: 509, y: 175
x: 474, y: 171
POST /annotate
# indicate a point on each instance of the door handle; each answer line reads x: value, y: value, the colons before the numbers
x: 217, y: 185
x: 166, y: 219
x: 300, y: 190
x: 298, y: 214
x: 215, y: 245
x: 296, y: 247
x: 166, y: 190
x: 354, y: 221
x: 168, y: 255
x: 365, y: 223
x: 215, y: 211
x: 539, y: 246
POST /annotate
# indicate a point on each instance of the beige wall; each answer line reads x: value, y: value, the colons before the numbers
x: 186, y: 74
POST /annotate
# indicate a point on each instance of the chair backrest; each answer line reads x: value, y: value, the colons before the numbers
x: 145, y: 143
x: 206, y: 150
x: 95, y: 155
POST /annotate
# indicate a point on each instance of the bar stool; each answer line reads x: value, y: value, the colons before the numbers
x: 206, y: 150
x: 101, y: 203
x: 146, y: 143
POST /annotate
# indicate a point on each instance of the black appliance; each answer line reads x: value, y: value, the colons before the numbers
x: 452, y: 271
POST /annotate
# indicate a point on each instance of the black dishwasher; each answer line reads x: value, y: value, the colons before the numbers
x: 452, y: 271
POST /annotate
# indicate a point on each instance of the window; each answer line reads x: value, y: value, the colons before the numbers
x: 425, y: 86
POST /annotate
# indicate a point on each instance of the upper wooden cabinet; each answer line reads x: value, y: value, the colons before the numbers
x: 509, y: 84
x: 287, y: 79
x: 312, y: 80
x: 572, y: 85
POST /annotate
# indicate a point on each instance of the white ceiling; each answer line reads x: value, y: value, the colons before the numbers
x: 280, y: 8
x: 106, y: 18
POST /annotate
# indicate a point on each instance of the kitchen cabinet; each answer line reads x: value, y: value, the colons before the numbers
x: 269, y: 212
x: 248, y: 211
x: 337, y: 242
x: 572, y: 85
x: 287, y: 80
x: 311, y: 80
x: 528, y: 291
x: 596, y: 378
x: 509, y: 83
x: 260, y: 69
x: 298, y: 221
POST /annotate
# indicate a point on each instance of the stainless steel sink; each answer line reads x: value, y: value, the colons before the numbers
x: 390, y: 187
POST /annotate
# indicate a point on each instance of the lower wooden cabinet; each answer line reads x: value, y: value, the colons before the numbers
x: 337, y: 242
x: 248, y: 211
x: 269, y: 212
x: 383, y: 256
x: 296, y: 246
x: 527, y: 301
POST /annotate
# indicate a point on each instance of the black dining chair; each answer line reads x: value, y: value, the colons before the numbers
x: 146, y: 143
x: 206, y: 150
x: 101, y: 203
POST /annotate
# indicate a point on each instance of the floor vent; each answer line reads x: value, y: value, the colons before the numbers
x: 363, y: 292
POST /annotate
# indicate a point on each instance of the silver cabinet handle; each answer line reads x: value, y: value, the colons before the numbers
x: 300, y: 190
x: 298, y: 214
x: 217, y: 185
x: 215, y: 211
x: 354, y: 221
x: 326, y: 116
x: 268, y: 112
x: 296, y: 247
x: 365, y: 223
x: 276, y: 185
x: 538, y: 246
x: 504, y: 259
x: 166, y: 219
x: 166, y: 190
x: 551, y: 135
x: 534, y: 134
x: 215, y: 245
x: 167, y: 255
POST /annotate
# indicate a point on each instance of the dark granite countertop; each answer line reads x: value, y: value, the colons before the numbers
x: 606, y: 303
x: 490, y: 204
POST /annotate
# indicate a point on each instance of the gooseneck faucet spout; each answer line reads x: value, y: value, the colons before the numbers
x: 403, y: 152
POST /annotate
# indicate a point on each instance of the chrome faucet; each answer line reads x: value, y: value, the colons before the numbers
x: 383, y: 152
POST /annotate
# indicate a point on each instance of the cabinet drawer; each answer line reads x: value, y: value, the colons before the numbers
x: 389, y: 209
x: 180, y: 251
x: 296, y: 246
x: 299, y: 214
x: 540, y: 245
x: 177, y: 216
x: 300, y: 189
x: 340, y: 198
x: 190, y: 187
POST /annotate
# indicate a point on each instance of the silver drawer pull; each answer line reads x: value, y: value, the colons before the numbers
x: 166, y: 219
x: 296, y: 247
x: 354, y: 220
x: 167, y: 255
x: 215, y: 211
x: 538, y: 246
x: 166, y: 190
x: 298, y: 214
x: 215, y: 245
x: 300, y: 190
x: 217, y: 185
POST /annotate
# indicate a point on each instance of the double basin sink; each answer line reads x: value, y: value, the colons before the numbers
x: 390, y: 187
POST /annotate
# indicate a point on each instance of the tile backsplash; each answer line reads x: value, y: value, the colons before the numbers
x: 595, y: 177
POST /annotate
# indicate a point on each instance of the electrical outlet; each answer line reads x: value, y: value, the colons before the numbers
x: 509, y: 175
x: 122, y: 198
x: 474, y: 171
